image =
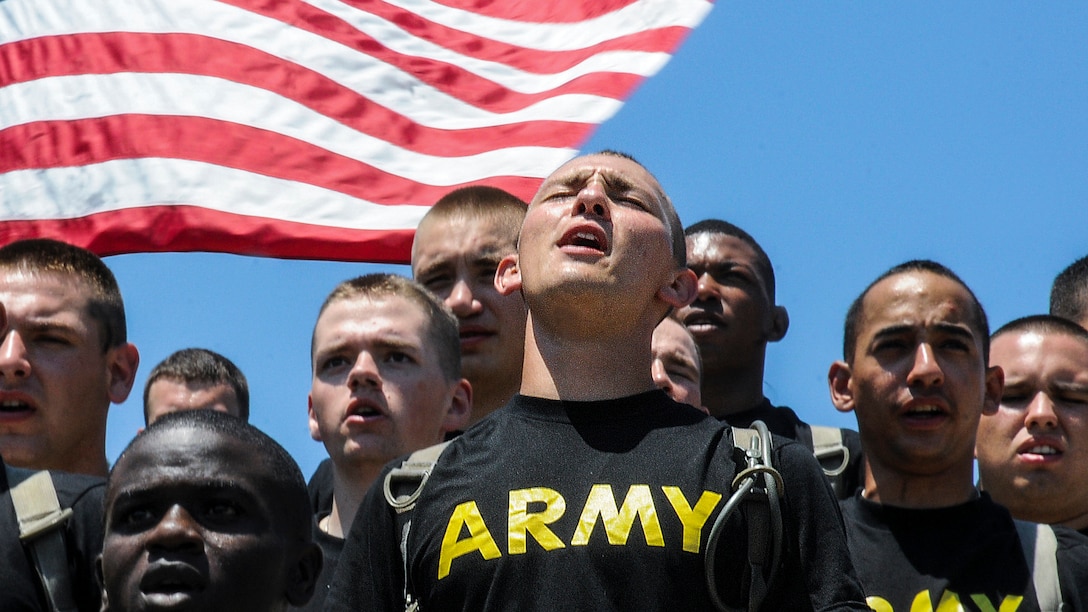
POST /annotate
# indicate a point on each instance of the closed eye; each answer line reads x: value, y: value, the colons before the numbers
x: 955, y: 344
x: 1014, y: 399
x: 436, y: 283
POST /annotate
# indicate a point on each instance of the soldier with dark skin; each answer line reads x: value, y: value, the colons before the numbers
x: 206, y: 513
x: 733, y: 319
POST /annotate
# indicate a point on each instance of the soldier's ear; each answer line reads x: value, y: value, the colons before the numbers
x: 303, y: 574
x: 838, y: 381
x: 681, y: 290
x: 995, y: 386
x: 508, y: 275
x: 460, y: 407
x: 121, y: 364
x: 780, y: 324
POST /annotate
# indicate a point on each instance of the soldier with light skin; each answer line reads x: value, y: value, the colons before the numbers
x: 386, y: 381
x: 677, y: 367
x: 1069, y: 293
x: 195, y: 379
x: 64, y: 356
x: 600, y: 263
x: 1033, y: 449
x: 456, y: 251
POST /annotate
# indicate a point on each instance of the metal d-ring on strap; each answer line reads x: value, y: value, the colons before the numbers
x: 750, y: 472
x: 765, y: 532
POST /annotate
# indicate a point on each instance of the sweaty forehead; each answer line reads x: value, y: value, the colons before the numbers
x: 176, y: 456
x: 33, y: 286
x: 1033, y: 349
x: 462, y: 237
x: 616, y: 169
x: 917, y: 298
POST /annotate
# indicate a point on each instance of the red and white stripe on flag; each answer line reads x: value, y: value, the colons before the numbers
x: 299, y: 128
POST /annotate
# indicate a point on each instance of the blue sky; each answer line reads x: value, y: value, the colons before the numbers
x: 846, y: 137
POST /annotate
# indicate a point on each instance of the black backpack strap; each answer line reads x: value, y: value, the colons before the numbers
x: 403, y: 486
x: 41, y: 530
x: 757, y: 490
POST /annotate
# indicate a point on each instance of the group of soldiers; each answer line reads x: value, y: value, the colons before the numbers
x: 560, y: 411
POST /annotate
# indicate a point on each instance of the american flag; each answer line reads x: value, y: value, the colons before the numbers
x: 299, y: 128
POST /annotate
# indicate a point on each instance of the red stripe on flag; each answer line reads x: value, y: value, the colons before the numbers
x: 115, y: 52
x: 662, y: 40
x: 193, y: 54
x: 160, y: 229
x: 88, y: 141
x: 559, y: 11
x: 443, y: 76
x: 49, y: 164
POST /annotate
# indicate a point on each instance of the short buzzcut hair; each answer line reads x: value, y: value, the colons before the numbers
x: 482, y: 201
x: 201, y: 366
x: 45, y: 256
x: 725, y: 228
x: 1043, y: 324
x: 290, y: 496
x: 442, y: 327
x: 1069, y: 293
x: 672, y: 218
x: 853, y: 314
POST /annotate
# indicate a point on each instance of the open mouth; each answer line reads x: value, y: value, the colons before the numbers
x: 701, y: 322
x: 171, y: 584
x: 15, y: 407
x: 366, y: 411
x: 587, y: 238
x: 1041, y: 450
x: 925, y: 413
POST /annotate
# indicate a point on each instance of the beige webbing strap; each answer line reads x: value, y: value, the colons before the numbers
x: 415, y: 469
x: 827, y: 444
x: 742, y: 438
x: 1041, y: 553
x: 40, y: 521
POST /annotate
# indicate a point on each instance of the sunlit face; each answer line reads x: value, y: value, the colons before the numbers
x: 596, y: 231
x: 918, y: 383
x: 167, y: 395
x: 1033, y: 451
x: 676, y: 363
x: 378, y: 389
x: 56, y: 379
x: 732, y: 315
x: 456, y: 258
x: 192, y: 523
